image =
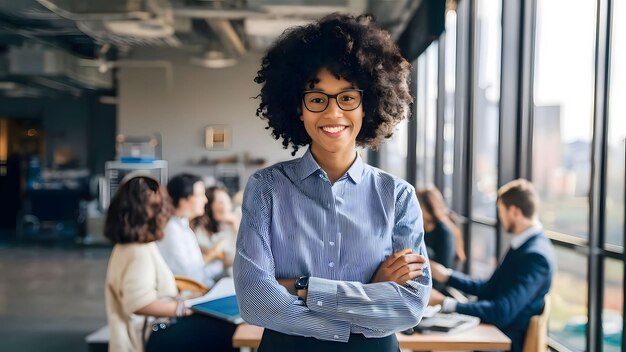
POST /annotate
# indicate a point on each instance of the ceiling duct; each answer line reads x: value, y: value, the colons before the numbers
x: 227, y: 35
x: 55, y: 64
x: 123, y: 23
x: 95, y: 10
x: 131, y: 33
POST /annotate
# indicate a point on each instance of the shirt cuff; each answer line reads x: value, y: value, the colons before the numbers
x: 448, y: 305
x: 449, y: 274
x: 322, y: 295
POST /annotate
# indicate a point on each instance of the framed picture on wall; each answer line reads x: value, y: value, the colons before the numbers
x: 217, y: 137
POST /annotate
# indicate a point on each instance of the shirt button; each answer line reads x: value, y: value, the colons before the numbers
x: 320, y: 303
x: 331, y: 264
x: 336, y: 337
x: 331, y: 243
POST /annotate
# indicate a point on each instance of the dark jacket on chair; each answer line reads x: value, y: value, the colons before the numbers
x: 515, y: 291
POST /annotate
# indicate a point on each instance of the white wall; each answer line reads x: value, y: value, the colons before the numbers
x: 195, y: 98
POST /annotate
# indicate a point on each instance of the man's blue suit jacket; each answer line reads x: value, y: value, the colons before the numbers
x: 515, y: 291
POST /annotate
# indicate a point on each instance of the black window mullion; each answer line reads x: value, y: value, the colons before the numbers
x: 624, y: 238
x: 598, y: 176
x: 411, y: 160
x: 526, y: 88
x: 441, y: 103
x: 508, y: 140
x: 462, y: 177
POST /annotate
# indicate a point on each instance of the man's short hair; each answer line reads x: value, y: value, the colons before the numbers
x: 522, y: 194
x: 181, y: 186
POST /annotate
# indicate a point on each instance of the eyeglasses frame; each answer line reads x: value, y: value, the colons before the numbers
x: 332, y: 96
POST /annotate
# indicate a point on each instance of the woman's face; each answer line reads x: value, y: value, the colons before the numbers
x: 428, y: 218
x: 332, y: 130
x: 197, y: 200
x: 221, y: 205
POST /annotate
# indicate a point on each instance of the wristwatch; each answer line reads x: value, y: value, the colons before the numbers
x: 302, y: 283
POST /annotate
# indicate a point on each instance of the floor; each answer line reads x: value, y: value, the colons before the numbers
x: 51, y: 296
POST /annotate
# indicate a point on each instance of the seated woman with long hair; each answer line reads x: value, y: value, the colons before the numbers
x: 139, y: 284
x: 443, y: 237
x: 216, y: 230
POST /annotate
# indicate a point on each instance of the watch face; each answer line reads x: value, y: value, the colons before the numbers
x: 302, y: 283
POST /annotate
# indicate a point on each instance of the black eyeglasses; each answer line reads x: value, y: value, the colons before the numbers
x: 347, y: 100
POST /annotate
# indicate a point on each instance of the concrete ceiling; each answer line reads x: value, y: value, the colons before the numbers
x: 104, y: 31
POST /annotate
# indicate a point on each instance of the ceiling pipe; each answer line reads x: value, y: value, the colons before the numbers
x: 227, y: 35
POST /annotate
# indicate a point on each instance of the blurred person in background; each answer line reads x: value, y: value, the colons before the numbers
x: 216, y: 231
x: 516, y: 290
x: 179, y: 245
x: 442, y: 236
x: 139, y: 284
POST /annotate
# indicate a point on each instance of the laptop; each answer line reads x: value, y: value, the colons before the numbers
x: 447, y: 323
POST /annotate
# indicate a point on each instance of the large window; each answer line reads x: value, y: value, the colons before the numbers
x: 568, y: 318
x: 483, y: 260
x: 613, y: 305
x: 426, y: 116
x: 617, y: 130
x: 448, y: 101
x: 486, y: 108
x: 393, y: 151
x: 563, y: 113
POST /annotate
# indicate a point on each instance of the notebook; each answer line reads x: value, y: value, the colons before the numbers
x: 447, y: 322
x: 220, y: 302
x: 224, y: 308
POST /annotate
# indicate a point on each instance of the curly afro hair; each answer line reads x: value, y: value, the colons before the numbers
x: 352, y: 48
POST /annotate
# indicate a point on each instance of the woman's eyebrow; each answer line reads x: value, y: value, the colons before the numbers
x: 314, y: 89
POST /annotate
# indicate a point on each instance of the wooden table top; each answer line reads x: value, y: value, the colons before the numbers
x: 482, y: 337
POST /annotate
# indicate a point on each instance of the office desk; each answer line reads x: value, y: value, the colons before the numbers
x: 482, y: 337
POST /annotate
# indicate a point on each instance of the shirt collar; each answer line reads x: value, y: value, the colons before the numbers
x: 308, y: 166
x: 518, y: 240
x: 181, y: 220
x: 356, y: 170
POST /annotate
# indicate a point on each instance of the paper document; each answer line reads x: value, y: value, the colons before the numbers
x: 223, y: 288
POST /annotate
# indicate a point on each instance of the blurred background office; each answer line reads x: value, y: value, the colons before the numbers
x: 93, y: 90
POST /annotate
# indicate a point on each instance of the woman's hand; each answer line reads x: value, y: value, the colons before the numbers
x: 215, y: 253
x: 400, y: 267
x: 439, y: 272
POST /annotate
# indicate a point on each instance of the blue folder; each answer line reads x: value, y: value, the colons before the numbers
x: 223, y: 308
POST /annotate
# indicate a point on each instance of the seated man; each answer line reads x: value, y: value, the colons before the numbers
x: 179, y: 246
x: 516, y: 289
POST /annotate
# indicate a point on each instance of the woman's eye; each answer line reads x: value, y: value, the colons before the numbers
x: 317, y: 100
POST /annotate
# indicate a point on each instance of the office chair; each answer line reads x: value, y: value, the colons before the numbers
x: 536, y: 339
x: 184, y: 283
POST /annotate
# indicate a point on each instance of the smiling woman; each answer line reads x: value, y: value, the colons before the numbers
x: 332, y: 85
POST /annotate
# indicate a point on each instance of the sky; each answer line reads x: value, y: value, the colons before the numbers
x: 564, y: 66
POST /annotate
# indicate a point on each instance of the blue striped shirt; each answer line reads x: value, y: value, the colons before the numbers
x: 296, y: 223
